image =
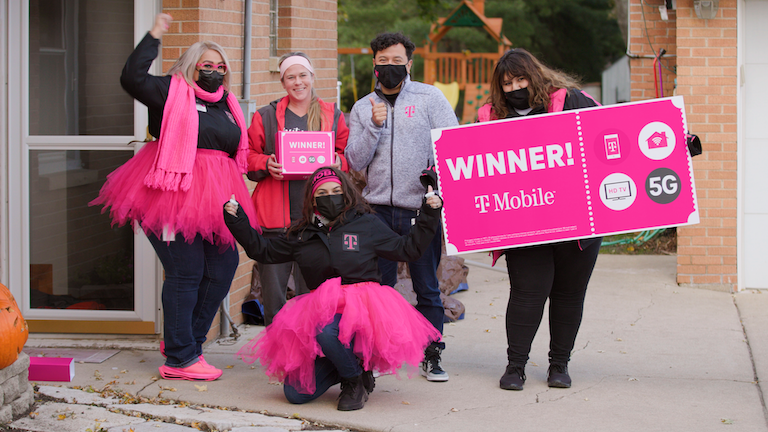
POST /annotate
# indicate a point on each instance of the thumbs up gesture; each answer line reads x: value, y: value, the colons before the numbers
x: 433, y: 199
x: 378, y: 112
x: 231, y: 206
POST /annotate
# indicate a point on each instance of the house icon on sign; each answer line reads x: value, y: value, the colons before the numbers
x: 657, y: 140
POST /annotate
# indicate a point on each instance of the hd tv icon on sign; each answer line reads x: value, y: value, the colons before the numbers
x: 618, y: 190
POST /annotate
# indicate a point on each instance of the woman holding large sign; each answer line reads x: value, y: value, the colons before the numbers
x: 523, y: 86
x: 349, y: 323
x: 279, y: 200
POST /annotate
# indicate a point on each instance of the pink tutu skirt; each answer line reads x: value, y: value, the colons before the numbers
x: 197, y: 211
x: 388, y: 332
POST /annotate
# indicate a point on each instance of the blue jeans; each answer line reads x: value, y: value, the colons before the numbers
x: 197, y: 278
x: 423, y: 270
x: 339, y: 362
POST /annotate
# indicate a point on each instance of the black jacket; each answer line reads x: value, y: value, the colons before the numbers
x: 349, y: 250
x: 217, y: 127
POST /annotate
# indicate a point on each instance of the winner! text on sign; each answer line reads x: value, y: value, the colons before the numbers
x: 568, y: 175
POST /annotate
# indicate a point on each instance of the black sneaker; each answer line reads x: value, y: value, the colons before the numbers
x: 557, y: 376
x: 369, y: 381
x: 431, y: 367
x: 353, y: 394
x: 513, y: 378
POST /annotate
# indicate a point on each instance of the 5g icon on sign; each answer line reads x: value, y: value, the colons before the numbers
x: 662, y: 185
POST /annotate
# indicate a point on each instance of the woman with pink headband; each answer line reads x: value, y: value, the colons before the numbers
x: 279, y: 201
x: 349, y: 324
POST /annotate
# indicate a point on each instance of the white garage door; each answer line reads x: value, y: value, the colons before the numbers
x: 755, y: 140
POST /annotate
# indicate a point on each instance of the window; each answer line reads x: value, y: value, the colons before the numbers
x: 273, y: 4
x: 77, y: 49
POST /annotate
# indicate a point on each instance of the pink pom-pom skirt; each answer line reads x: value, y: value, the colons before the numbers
x: 388, y: 332
x: 215, y: 177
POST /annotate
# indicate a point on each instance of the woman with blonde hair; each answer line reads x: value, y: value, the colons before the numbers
x: 279, y: 201
x: 521, y: 86
x: 173, y: 189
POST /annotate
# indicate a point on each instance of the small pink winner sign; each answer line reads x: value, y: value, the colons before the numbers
x: 301, y: 153
x: 568, y: 175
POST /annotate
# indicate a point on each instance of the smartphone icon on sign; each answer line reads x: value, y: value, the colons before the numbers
x: 612, y: 148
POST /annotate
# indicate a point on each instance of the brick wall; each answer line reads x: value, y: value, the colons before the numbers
x: 220, y: 21
x: 310, y: 26
x: 645, y: 24
x: 303, y: 25
x: 265, y: 85
x: 707, y: 78
x: 706, y: 73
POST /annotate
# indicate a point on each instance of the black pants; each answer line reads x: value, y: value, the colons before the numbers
x: 423, y: 270
x: 560, y: 272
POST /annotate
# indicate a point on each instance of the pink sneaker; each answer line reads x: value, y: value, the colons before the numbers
x: 195, y: 372
x: 205, y: 363
x: 202, y: 359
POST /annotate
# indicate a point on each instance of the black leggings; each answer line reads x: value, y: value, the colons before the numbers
x: 560, y: 272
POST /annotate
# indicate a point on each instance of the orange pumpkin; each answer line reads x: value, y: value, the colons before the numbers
x: 13, y: 329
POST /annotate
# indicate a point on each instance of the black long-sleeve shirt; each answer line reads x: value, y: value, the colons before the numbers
x: 349, y: 250
x: 217, y: 127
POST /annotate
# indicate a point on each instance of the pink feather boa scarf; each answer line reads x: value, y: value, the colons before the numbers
x: 177, y: 145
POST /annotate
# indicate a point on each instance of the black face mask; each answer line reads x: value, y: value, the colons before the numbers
x: 330, y: 206
x: 209, y: 81
x: 390, y: 76
x: 518, y: 98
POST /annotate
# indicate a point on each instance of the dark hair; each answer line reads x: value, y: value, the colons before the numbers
x: 542, y: 80
x: 352, y: 199
x: 386, y: 40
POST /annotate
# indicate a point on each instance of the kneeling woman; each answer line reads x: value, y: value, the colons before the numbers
x: 349, y: 323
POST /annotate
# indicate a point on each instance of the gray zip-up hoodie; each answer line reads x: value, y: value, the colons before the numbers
x: 392, y: 156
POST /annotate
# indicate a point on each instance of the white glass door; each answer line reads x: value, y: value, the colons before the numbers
x: 77, y: 273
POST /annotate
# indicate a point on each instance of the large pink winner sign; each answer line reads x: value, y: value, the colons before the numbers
x: 568, y: 175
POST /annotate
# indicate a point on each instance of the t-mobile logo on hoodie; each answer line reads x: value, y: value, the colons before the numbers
x: 409, y: 110
x: 350, y: 242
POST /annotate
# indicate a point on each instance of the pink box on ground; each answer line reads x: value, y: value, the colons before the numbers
x: 301, y: 153
x: 51, y: 369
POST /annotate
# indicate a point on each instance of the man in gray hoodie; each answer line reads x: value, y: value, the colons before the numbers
x: 390, y: 142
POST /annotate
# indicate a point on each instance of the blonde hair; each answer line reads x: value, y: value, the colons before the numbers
x: 187, y: 63
x: 315, y: 114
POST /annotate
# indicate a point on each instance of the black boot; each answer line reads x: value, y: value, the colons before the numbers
x: 513, y: 378
x: 353, y: 394
x: 557, y: 376
x: 369, y: 381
